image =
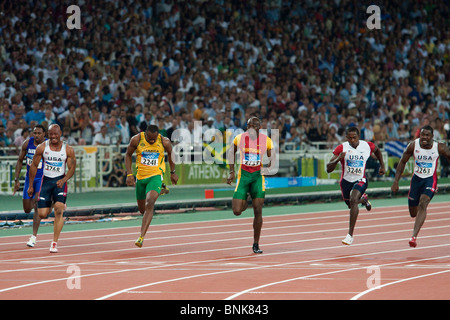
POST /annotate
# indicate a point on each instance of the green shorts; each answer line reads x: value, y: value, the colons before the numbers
x: 144, y: 186
x: 252, y: 182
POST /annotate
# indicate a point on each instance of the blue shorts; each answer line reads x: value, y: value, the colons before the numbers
x: 419, y: 186
x: 347, y: 187
x: 50, y: 192
x: 36, y: 187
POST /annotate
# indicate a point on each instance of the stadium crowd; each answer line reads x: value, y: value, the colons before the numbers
x: 308, y: 68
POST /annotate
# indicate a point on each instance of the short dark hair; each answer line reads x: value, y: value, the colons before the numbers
x: 427, y: 127
x: 152, y: 128
x: 352, y: 129
x: 40, y: 126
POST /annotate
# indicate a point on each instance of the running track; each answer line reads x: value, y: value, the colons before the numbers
x: 212, y: 260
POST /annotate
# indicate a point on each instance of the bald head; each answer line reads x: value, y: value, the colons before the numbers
x: 54, y: 127
x: 54, y: 134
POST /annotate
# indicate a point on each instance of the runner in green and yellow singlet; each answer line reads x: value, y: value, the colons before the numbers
x: 149, y: 147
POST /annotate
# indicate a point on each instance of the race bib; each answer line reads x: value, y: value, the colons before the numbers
x: 30, y: 161
x: 54, y: 167
x: 251, y: 160
x: 355, y: 167
x: 423, y: 167
x: 150, y: 159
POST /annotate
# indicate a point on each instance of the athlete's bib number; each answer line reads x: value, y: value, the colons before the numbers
x: 421, y: 170
x: 30, y: 161
x: 150, y: 159
x: 357, y: 171
x: 423, y: 167
x: 355, y: 167
x: 53, y: 168
x: 251, y: 160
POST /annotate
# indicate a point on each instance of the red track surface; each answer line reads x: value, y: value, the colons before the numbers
x: 303, y: 259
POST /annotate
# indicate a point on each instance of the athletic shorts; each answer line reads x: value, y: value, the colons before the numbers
x: 146, y: 185
x: 420, y: 186
x: 50, y: 193
x: 252, y: 182
x: 347, y: 187
x: 36, y: 187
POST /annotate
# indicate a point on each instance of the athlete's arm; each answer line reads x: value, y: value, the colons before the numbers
x: 379, y: 156
x: 168, y: 147
x: 23, y: 153
x: 401, y: 165
x: 334, y: 161
x: 272, y: 166
x: 444, y: 151
x: 231, y: 157
x: 132, y: 146
x: 34, y: 165
x: 71, y: 165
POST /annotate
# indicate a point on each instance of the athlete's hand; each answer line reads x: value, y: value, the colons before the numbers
x: 131, y: 182
x: 381, y: 171
x: 394, y: 187
x: 230, y: 178
x: 60, y: 183
x: 16, y: 186
x: 30, y: 191
x: 174, y: 178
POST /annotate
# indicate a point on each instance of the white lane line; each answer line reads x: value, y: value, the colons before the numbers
x: 359, y: 295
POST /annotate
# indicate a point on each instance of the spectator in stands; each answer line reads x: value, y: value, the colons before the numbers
x: 113, y: 131
x: 177, y: 49
x: 35, y: 114
x: 102, y: 138
x: 367, y: 131
x: 4, y: 140
x: 67, y: 137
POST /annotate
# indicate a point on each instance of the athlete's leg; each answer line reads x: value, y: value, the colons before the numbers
x: 141, y: 206
x: 421, y: 214
x: 413, y: 211
x: 355, y: 196
x: 58, y: 224
x: 258, y: 219
x: 150, y: 200
x: 238, y: 206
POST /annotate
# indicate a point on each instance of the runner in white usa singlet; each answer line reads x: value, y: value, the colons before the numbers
x: 54, y: 161
x: 354, y: 163
x: 426, y: 152
x: 353, y: 155
x: 425, y: 160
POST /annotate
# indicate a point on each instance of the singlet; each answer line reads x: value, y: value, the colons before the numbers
x: 31, y: 150
x: 425, y: 160
x: 54, y: 161
x: 354, y: 163
x: 252, y: 151
x: 150, y: 158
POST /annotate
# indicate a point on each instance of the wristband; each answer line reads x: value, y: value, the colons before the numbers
x: 172, y: 172
x: 129, y: 174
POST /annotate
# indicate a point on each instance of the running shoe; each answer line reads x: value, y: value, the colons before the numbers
x: 164, y: 189
x: 53, y: 247
x: 139, y: 242
x: 412, y: 242
x: 31, y: 243
x: 348, y: 240
x: 256, y: 248
x: 366, y: 202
